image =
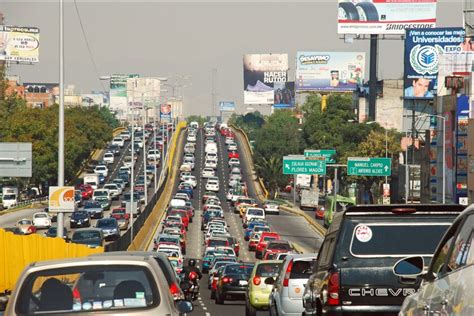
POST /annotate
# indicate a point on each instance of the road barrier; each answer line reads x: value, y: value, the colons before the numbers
x: 19, y: 251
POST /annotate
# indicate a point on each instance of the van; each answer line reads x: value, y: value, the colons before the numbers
x: 332, y: 206
x: 211, y: 148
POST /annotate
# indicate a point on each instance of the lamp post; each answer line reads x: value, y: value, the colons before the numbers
x: 444, y: 150
x: 60, y: 232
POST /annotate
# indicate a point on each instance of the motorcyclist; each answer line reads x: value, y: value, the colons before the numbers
x: 191, y: 267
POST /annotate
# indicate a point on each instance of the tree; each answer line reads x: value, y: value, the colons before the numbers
x: 196, y: 118
x: 250, y: 122
x: 270, y: 170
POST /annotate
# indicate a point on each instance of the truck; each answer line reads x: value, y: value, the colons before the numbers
x: 92, y: 179
x: 309, y: 199
x: 303, y: 181
x: 9, y: 196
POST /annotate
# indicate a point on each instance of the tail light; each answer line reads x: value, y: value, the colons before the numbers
x: 76, y: 294
x: 287, y: 274
x: 333, y: 289
x: 256, y: 280
x: 214, y: 283
x: 174, y: 289
x: 226, y: 280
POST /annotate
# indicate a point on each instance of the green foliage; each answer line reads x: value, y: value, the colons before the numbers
x: 196, y: 118
x: 270, y: 170
x: 250, y: 122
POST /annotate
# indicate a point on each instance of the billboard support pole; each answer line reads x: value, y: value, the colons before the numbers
x: 373, y: 76
x: 60, y: 232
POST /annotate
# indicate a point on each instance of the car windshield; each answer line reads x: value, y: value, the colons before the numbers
x: 41, y: 215
x: 253, y: 211
x: 168, y: 239
x: 100, y: 193
x: 88, y: 287
x: 245, y: 269
x: 412, y: 239
x: 92, y: 205
x: 106, y: 223
x: 268, y: 269
x: 24, y: 222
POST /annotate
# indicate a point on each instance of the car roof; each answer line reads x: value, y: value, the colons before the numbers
x: 302, y: 256
x: 400, y: 208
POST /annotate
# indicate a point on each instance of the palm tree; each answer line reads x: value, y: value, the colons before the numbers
x: 270, y: 170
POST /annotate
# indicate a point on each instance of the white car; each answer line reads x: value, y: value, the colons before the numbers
x: 191, y: 138
x: 101, y: 169
x: 234, y: 162
x: 210, y: 164
x: 232, y: 146
x: 125, y: 135
x: 114, y: 190
x: 191, y: 180
x: 229, y: 140
x: 212, y: 156
x: 271, y: 207
x: 109, y: 158
x: 118, y: 141
x: 41, y: 220
x: 153, y: 154
x: 190, y: 162
x: 212, y: 185
x: 127, y: 168
x: 189, y: 156
x: 253, y: 212
x: 182, y: 196
x: 183, y: 175
x: 207, y: 172
x: 138, y: 142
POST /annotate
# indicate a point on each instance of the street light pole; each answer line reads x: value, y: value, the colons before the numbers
x: 144, y: 148
x: 60, y: 229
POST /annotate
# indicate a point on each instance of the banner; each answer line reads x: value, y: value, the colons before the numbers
x: 423, y: 48
x: 329, y: 71
x: 284, y: 95
x: 19, y: 44
x: 118, y: 93
x: 226, y: 106
x: 165, y: 113
x: 384, y: 16
x: 261, y: 73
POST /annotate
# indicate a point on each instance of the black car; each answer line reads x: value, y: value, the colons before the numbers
x: 53, y: 232
x: 233, y: 282
x: 115, y: 149
x: 354, y: 273
x: 80, y: 219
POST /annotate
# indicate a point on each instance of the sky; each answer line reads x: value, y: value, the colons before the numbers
x: 189, y: 41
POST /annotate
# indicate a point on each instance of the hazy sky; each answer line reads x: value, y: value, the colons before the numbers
x: 169, y: 38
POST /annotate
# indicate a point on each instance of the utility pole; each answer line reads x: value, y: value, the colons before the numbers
x: 373, y: 76
x: 60, y: 232
x: 213, y: 92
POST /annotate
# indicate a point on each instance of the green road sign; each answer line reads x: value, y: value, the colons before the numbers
x: 299, y: 165
x: 328, y: 154
x: 372, y: 167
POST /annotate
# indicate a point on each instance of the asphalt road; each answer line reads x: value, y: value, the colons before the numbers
x: 291, y: 227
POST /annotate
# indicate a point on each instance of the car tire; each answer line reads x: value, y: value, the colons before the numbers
x: 349, y: 10
x: 219, y: 300
x: 213, y: 295
x: 249, y: 309
x: 367, y: 11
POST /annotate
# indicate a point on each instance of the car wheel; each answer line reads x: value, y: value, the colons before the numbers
x: 348, y: 11
x: 213, y: 295
x: 367, y: 11
x: 219, y: 299
x: 249, y: 309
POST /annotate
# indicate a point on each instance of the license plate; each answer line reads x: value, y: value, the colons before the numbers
x: 243, y: 282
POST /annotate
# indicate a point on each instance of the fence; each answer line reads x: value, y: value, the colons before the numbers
x: 19, y: 251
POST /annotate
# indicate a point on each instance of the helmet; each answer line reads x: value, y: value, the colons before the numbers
x: 192, y: 262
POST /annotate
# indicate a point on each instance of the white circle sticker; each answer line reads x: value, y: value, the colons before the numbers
x: 363, y: 233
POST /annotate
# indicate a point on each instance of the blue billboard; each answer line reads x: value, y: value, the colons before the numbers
x: 422, y: 50
x: 226, y: 106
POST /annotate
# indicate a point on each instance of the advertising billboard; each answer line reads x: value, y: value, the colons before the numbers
x: 456, y: 65
x: 261, y: 73
x: 284, y: 95
x: 19, y: 44
x: 384, y: 16
x: 118, y: 94
x: 226, y: 106
x: 329, y: 71
x: 423, y: 50
x: 165, y: 113
x: 61, y: 199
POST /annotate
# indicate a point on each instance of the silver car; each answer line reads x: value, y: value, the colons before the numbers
x: 447, y: 286
x: 110, y: 285
x: 287, y: 293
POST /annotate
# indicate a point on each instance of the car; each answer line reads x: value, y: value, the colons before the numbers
x: 446, y: 282
x: 260, y: 286
x: 241, y: 201
x: 114, y: 190
x: 153, y: 154
x: 255, y: 226
x: 41, y: 220
x: 232, y: 147
x: 287, y: 293
x: 253, y: 212
x: 86, y: 190
x: 362, y: 236
x: 188, y: 161
x: 233, y: 282
x: 185, y: 167
x: 253, y: 241
x: 109, y: 227
x: 102, y: 169
x: 53, y: 287
x: 191, y: 180
x: 217, y: 242
x: 94, y: 209
x: 265, y: 238
x: 191, y: 138
x: 125, y: 135
x: 80, y: 219
x: 233, y: 154
x: 212, y: 185
x: 229, y: 140
x: 210, y: 164
x: 115, y: 149
x: 91, y: 237
x: 271, y: 207
x: 234, y: 162
x: 127, y: 198
x: 120, y: 141
x: 53, y: 232
x: 25, y: 226
x: 109, y: 158
x: 207, y: 172
x: 277, y: 246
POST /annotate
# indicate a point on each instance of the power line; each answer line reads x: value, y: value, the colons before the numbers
x: 96, y: 69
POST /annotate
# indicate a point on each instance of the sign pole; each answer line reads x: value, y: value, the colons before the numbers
x: 373, y: 76
x: 335, y: 185
x: 294, y: 189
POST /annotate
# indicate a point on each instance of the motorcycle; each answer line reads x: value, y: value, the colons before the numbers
x: 190, y: 287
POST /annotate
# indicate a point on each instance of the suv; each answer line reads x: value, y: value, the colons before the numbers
x: 354, y: 273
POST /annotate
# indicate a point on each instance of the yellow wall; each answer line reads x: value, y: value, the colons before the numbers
x: 16, y: 252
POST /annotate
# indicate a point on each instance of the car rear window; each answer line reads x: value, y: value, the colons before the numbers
x: 268, y: 238
x: 378, y: 240
x: 255, y: 212
x: 279, y: 246
x: 301, y: 269
x: 217, y: 243
x: 268, y: 269
x: 86, y: 288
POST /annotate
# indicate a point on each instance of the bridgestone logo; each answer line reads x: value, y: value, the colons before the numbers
x: 408, y: 26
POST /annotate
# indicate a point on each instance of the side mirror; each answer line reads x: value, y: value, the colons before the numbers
x: 269, y: 281
x: 184, y: 306
x: 410, y: 267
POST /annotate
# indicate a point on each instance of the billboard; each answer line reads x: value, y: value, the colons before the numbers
x: 19, y: 44
x: 384, y: 16
x: 226, y: 106
x: 423, y: 50
x: 329, y: 71
x: 165, y: 113
x: 61, y: 199
x: 118, y: 94
x: 458, y: 65
x: 16, y: 160
x: 261, y: 73
x: 284, y: 95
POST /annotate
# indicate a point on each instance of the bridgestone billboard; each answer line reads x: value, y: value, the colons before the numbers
x: 384, y: 16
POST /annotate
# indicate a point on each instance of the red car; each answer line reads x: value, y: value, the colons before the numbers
x: 233, y: 154
x: 319, y: 212
x: 277, y: 246
x: 119, y: 213
x: 86, y: 191
x: 183, y: 214
x: 265, y: 237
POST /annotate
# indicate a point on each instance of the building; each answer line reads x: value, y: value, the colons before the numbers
x: 40, y: 95
x: 14, y: 87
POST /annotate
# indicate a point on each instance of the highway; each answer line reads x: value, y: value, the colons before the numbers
x: 289, y: 226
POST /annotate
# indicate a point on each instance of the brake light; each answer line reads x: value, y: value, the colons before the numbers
x: 226, y: 279
x: 256, y: 280
x: 403, y: 210
x: 333, y: 289
x: 214, y: 283
x: 174, y: 289
x: 287, y: 274
x: 76, y: 294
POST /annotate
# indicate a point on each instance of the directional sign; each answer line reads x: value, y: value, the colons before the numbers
x: 372, y: 167
x: 299, y: 165
x: 328, y: 154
